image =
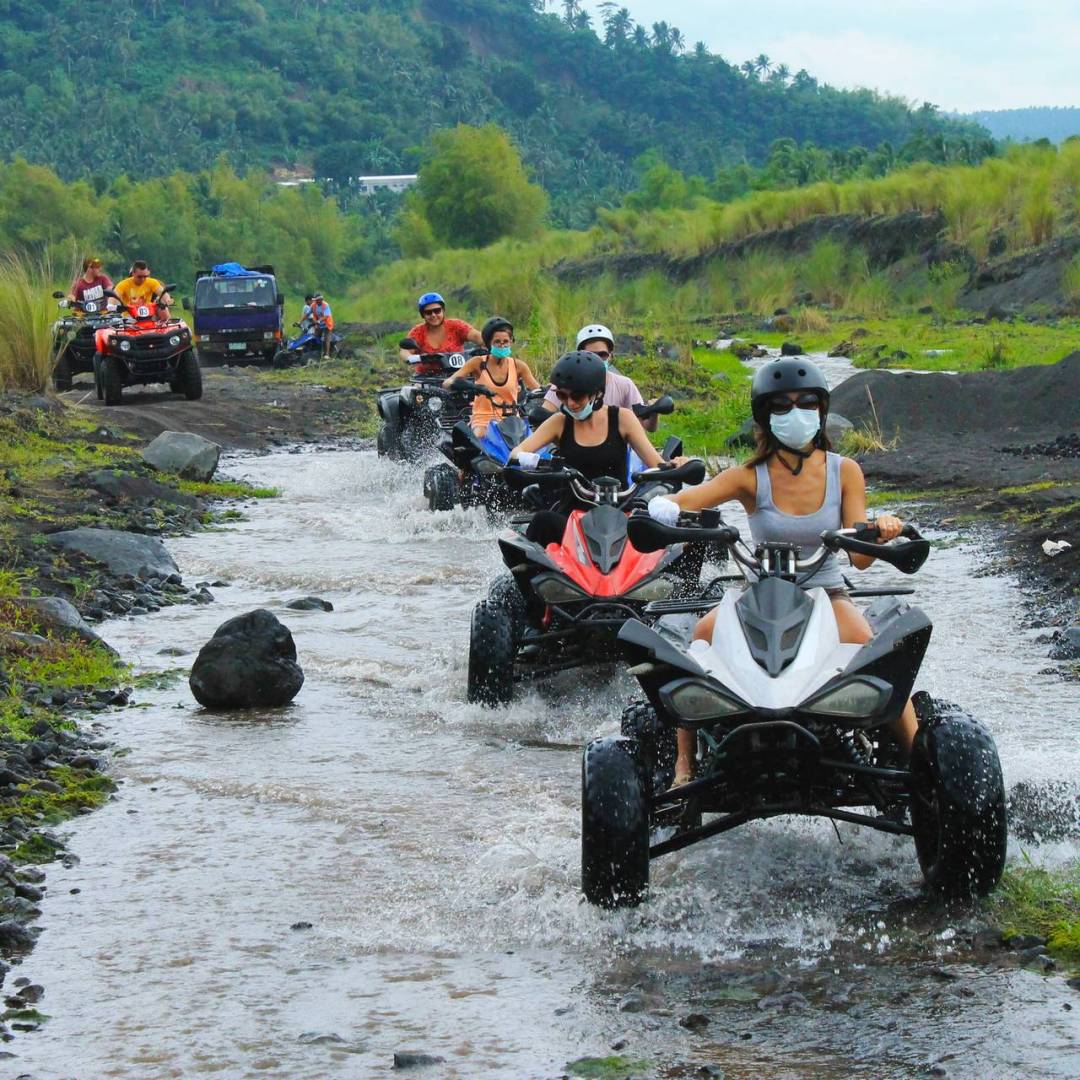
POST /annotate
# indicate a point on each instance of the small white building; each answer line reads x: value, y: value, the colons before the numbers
x: 367, y: 184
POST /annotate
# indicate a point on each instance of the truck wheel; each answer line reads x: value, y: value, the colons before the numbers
x: 441, y: 487
x: 61, y: 375
x: 491, y: 656
x: 614, y: 826
x: 189, y: 376
x: 652, y: 744
x: 281, y: 359
x: 113, y: 375
x: 957, y: 803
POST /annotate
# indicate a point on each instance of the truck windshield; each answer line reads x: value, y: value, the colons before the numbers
x: 249, y: 292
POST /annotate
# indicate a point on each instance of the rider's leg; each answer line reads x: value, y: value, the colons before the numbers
x: 855, y: 630
x: 685, y: 739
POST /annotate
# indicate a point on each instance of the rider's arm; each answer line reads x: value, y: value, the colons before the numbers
x: 548, y: 432
x: 469, y: 368
x: 853, y: 510
x: 631, y: 430
x: 474, y: 336
x: 527, y: 377
x: 738, y: 482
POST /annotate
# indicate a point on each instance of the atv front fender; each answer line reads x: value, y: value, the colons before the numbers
x: 390, y: 408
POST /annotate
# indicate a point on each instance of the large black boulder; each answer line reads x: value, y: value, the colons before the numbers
x: 250, y: 661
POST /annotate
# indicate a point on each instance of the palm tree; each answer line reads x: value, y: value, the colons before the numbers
x: 762, y: 63
x: 571, y: 9
x: 661, y: 36
x: 678, y: 42
x: 749, y: 69
x: 701, y: 50
x: 641, y: 37
x: 781, y: 74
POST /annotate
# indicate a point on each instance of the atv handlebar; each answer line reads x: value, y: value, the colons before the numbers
x: 649, y: 535
x: 907, y: 558
x: 690, y: 472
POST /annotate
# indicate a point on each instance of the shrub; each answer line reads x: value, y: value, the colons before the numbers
x: 26, y: 316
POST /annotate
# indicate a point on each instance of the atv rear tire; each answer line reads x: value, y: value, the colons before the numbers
x: 112, y: 379
x: 614, y: 826
x: 652, y: 744
x: 441, y: 487
x: 281, y: 359
x: 61, y: 375
x: 189, y: 377
x: 491, y: 655
x: 957, y: 802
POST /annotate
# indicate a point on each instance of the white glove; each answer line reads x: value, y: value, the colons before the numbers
x: 664, y: 510
x: 527, y: 460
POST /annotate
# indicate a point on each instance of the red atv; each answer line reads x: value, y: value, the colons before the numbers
x: 145, y: 348
x: 562, y: 606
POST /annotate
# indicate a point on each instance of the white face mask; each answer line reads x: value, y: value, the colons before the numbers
x: 796, y: 429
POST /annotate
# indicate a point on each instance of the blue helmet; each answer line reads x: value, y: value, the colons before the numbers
x: 429, y: 298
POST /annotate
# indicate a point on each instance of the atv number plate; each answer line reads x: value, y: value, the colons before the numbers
x: 240, y: 346
x: 456, y: 360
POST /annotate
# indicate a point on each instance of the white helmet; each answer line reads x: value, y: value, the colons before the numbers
x: 595, y: 332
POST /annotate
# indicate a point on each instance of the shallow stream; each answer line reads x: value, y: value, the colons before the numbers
x: 432, y: 846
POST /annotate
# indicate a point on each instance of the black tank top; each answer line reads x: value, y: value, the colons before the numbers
x: 606, y: 459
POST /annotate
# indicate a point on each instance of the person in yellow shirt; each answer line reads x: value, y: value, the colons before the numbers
x: 140, y: 287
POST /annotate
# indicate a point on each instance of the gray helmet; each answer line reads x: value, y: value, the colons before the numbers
x: 781, y: 375
x: 580, y: 373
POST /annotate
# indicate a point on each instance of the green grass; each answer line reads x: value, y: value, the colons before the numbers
x: 225, y: 489
x: 614, y: 1067
x: 1034, y: 900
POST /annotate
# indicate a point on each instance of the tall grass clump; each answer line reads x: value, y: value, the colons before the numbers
x: 765, y: 281
x: 27, y: 312
x: 1070, y: 282
x: 824, y: 270
x: 1039, y: 215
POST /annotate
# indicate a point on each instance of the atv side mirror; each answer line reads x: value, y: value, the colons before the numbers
x: 171, y: 288
x: 408, y: 343
x: 186, y: 303
x: 58, y: 296
x: 662, y: 406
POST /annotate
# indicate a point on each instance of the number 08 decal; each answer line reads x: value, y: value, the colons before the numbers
x: 456, y: 360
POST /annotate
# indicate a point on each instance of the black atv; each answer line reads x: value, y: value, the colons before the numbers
x: 413, y: 417
x: 788, y: 721
x: 74, y: 335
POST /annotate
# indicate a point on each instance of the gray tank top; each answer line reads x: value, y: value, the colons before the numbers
x: 768, y: 523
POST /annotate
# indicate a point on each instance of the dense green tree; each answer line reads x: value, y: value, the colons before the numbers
x: 474, y: 188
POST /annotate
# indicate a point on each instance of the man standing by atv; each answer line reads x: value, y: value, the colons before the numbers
x: 620, y: 390
x: 91, y: 285
x: 141, y: 288
x: 437, y: 333
x: 323, y: 321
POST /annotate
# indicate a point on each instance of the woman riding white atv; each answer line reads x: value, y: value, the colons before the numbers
x: 590, y: 438
x: 792, y: 489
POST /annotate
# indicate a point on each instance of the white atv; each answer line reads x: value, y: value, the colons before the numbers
x: 789, y: 720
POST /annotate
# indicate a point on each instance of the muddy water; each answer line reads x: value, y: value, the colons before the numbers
x: 432, y: 846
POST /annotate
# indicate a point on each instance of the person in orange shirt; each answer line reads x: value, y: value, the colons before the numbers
x: 323, y: 318
x: 499, y: 371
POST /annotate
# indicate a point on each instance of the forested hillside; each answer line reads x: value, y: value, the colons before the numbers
x: 1027, y: 125
x: 96, y: 88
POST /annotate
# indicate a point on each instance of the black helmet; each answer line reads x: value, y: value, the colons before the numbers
x: 493, y: 326
x: 779, y: 376
x: 579, y: 372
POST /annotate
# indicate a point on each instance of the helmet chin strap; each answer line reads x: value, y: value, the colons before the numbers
x: 802, y: 455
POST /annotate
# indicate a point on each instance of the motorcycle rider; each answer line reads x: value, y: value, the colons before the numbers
x: 323, y: 320
x: 792, y: 489
x: 620, y: 389
x: 92, y: 284
x: 141, y: 288
x: 499, y: 371
x: 437, y: 333
x: 591, y: 435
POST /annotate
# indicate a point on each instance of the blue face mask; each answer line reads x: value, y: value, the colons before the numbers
x: 581, y: 414
x: 796, y: 429
x: 500, y: 352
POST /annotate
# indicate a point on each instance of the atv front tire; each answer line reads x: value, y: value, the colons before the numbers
x: 112, y: 379
x: 189, y: 377
x: 441, y: 487
x: 652, y: 744
x: 957, y: 802
x: 388, y: 442
x: 281, y: 359
x: 491, y: 655
x: 614, y: 826
x: 99, y: 378
x: 61, y: 375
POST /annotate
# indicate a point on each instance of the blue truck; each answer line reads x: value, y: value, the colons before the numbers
x: 238, y: 313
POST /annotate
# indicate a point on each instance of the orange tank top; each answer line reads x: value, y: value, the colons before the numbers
x: 483, y: 409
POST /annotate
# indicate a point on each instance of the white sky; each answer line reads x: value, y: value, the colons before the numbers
x: 962, y: 55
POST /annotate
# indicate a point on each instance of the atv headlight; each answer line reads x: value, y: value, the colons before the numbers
x: 552, y: 590
x: 689, y: 699
x: 435, y: 404
x: 125, y: 345
x: 174, y: 340
x: 863, y: 696
x: 658, y: 589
